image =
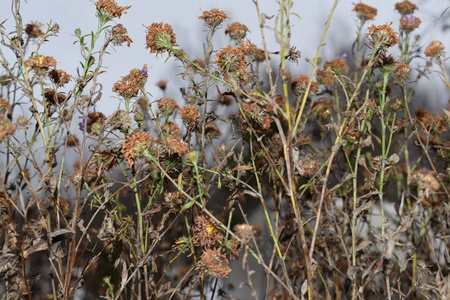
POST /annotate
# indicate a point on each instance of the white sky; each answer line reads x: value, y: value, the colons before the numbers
x: 190, y: 33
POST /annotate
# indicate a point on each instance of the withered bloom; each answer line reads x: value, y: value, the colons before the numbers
x: 205, y: 232
x: 160, y: 38
x: 167, y: 106
x: 405, y: 7
x: 237, y: 31
x: 131, y: 149
x: 59, y: 77
x: 175, y: 145
x: 190, y: 114
x: 324, y: 77
x: 40, y: 62
x: 4, y: 106
x: 231, y: 61
x: 401, y: 72
x: 6, y: 127
x: 129, y: 86
x: 53, y: 97
x: 382, y: 36
x: 300, y: 83
x: 93, y: 123
x: 120, y: 35
x: 365, y: 12
x: 111, y: 8
x: 213, y: 18
x: 214, y: 263
x: 434, y: 49
x: 34, y: 30
x: 337, y: 65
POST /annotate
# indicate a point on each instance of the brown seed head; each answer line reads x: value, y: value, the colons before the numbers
x: 434, y: 49
x: 300, y: 83
x: 129, y: 86
x: 120, y: 35
x: 405, y: 7
x: 213, y: 18
x: 231, y: 61
x: 160, y: 38
x: 132, y: 143
x: 237, y: 31
x: 4, y: 106
x: 34, y: 30
x: 6, y: 127
x: 401, y: 72
x: 214, y: 263
x: 337, y: 65
x: 382, y: 36
x: 59, y: 77
x: 111, y: 8
x: 190, y: 114
x: 40, y: 62
x: 365, y: 12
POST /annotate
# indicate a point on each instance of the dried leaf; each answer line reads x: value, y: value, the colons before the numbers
x: 366, y: 206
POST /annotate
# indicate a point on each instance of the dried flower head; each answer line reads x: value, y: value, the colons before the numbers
x: 5, y: 80
x: 189, y: 114
x: 382, y: 36
x: 405, y: 7
x: 387, y: 63
x: 365, y: 12
x: 93, y: 123
x: 300, y: 83
x: 6, y: 127
x: 401, y: 72
x: 160, y: 38
x: 72, y: 140
x: 171, y: 128
x: 434, y: 49
x: 175, y: 146
x: 22, y: 122
x: 294, y: 55
x: 162, y: 84
x: 120, y: 120
x: 337, y: 65
x: 426, y: 182
x: 132, y: 148
x: 174, y: 200
x: 34, y: 30
x: 213, y: 18
x: 237, y: 31
x: 231, y: 61
x: 409, y: 22
x: 324, y: 77
x: 206, y: 233
x: 129, y: 86
x: 167, y: 106
x: 214, y: 263
x: 247, y: 231
x: 212, y: 130
x: 307, y: 165
x: 59, y: 77
x: 248, y: 48
x: 53, y: 97
x: 110, y: 8
x: 120, y: 35
x: 4, y: 106
x: 40, y: 62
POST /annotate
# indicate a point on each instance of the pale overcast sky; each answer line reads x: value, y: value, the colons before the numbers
x: 183, y: 16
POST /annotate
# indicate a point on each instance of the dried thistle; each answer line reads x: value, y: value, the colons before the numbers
x: 34, y: 30
x: 40, y: 62
x: 434, y: 49
x: 214, y: 263
x: 6, y: 127
x: 190, y: 114
x: 206, y: 233
x: 59, y: 77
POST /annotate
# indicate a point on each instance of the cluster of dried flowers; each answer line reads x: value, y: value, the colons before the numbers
x: 158, y: 199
